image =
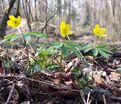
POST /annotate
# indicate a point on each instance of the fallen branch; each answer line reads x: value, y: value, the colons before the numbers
x: 47, y: 23
x: 60, y: 87
x: 10, y: 94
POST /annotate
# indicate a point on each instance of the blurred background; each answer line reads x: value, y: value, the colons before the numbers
x: 81, y: 14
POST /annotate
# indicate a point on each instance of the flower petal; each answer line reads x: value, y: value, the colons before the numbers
x: 97, y: 26
x: 10, y: 23
x: 14, y: 22
x: 103, y: 35
x: 96, y: 31
x: 19, y: 19
x: 70, y: 32
x: 62, y: 25
x: 63, y: 35
x: 68, y: 29
x: 11, y: 17
x: 65, y: 29
x: 103, y: 30
x: 68, y: 26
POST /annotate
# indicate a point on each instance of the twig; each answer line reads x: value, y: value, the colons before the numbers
x: 10, y: 94
x: 88, y: 101
x: 104, y: 99
x: 42, y: 82
x: 83, y: 99
x: 47, y: 23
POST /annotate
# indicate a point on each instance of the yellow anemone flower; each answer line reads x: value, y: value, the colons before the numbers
x: 65, y: 29
x: 13, y: 21
x: 98, y: 31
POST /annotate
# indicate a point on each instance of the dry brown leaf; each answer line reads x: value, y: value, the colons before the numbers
x: 115, y: 76
x: 69, y: 82
x: 56, y: 81
x: 98, y: 79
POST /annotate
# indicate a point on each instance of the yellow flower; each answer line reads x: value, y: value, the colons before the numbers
x: 65, y: 29
x: 14, y: 22
x: 98, y: 31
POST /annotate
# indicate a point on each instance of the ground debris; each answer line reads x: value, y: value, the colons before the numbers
x: 62, y: 86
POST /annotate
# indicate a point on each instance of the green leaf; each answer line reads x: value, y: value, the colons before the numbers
x: 53, y: 67
x: 95, y: 52
x: 37, y: 34
x: 106, y: 50
x: 84, y: 81
x: 14, y: 38
x: 65, y: 51
x: 118, y: 70
x: 6, y: 38
x: 76, y: 51
x: 34, y: 44
x: 103, y: 53
x: 103, y: 50
x: 70, y: 43
x: 56, y: 45
x: 87, y: 47
x: 27, y: 37
x: 76, y: 72
x: 72, y: 47
x: 101, y: 46
x: 9, y: 37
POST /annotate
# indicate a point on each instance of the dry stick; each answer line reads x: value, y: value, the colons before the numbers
x: 10, y: 94
x: 47, y: 23
x: 5, y: 85
x: 83, y: 99
x: 88, y: 101
x: 104, y: 99
x: 42, y: 82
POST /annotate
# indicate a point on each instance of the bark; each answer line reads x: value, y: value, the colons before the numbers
x: 3, y: 24
x: 26, y: 14
x: 18, y: 7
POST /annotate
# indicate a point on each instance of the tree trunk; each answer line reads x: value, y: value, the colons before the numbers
x: 5, y: 18
x: 25, y: 8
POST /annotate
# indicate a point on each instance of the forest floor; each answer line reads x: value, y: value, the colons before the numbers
x: 97, y: 83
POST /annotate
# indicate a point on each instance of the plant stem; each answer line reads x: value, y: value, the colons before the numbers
x: 101, y: 40
x: 68, y: 38
x: 27, y: 42
x: 79, y: 53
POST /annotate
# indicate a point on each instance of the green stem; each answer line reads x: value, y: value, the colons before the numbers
x: 27, y: 42
x: 101, y: 40
x: 79, y: 53
x: 61, y: 58
x: 82, y: 56
x: 68, y: 38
